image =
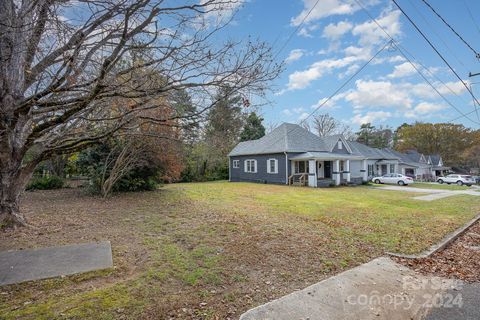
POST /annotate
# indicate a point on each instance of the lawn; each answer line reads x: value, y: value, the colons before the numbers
x: 214, y: 250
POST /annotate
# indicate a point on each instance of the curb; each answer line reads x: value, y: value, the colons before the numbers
x: 442, y: 244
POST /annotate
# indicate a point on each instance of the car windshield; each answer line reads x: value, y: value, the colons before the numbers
x: 467, y: 177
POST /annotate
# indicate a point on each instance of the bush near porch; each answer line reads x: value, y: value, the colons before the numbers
x: 214, y: 250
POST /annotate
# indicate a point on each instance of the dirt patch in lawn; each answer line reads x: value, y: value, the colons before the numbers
x: 212, y: 250
x: 459, y: 260
x: 174, y: 258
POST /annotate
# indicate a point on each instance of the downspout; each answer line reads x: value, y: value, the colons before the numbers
x: 229, y: 170
x: 286, y: 168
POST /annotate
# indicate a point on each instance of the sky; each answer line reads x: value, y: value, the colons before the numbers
x: 337, y: 38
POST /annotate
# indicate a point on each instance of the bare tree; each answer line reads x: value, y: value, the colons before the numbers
x: 326, y: 125
x: 75, y: 72
x: 121, y: 159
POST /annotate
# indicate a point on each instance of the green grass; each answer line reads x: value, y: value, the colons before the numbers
x: 391, y: 220
x: 210, y: 248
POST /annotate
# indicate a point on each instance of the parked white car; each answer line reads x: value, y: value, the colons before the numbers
x: 459, y: 179
x: 393, y: 178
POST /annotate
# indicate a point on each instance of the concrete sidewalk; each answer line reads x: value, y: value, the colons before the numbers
x: 380, y: 289
x: 34, y: 264
x: 433, y: 194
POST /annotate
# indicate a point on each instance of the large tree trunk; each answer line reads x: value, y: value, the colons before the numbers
x: 12, y: 186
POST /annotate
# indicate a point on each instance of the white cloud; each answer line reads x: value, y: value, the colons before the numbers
x: 336, y: 31
x: 371, y: 93
x: 307, y: 31
x: 371, y: 117
x: 301, y: 79
x: 287, y: 112
x: 323, y: 9
x: 294, y: 55
x: 428, y: 107
x: 330, y: 104
x: 370, y: 34
x: 303, y: 116
x: 403, y: 70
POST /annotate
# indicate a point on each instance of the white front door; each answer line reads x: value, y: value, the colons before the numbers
x: 320, y: 169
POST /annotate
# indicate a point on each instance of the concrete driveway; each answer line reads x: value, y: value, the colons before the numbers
x: 379, y: 289
x: 433, y: 194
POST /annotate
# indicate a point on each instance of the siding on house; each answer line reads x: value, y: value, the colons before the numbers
x: 344, y: 149
x: 239, y: 174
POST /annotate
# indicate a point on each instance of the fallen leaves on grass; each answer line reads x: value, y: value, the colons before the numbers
x: 460, y: 260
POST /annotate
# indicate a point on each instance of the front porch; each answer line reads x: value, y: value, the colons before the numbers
x: 327, y: 170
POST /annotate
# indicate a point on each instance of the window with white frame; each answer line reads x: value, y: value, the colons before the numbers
x: 300, y: 166
x: 272, y: 166
x: 339, y: 144
x: 251, y: 166
x: 236, y: 164
x: 370, y: 170
x: 392, y: 168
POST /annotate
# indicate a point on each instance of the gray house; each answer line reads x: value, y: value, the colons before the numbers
x: 291, y: 154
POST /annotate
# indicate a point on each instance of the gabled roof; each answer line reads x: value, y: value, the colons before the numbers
x: 287, y: 137
x: 292, y: 138
x: 435, y: 159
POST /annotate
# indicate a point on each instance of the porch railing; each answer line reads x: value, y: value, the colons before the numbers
x: 298, y: 179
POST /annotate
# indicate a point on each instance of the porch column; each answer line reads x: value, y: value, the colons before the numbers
x: 364, y: 170
x: 336, y: 172
x: 312, y: 173
x: 347, y: 169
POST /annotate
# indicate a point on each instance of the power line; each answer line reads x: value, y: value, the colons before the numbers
x: 341, y: 86
x: 477, y: 55
x: 436, y: 50
x: 438, y: 35
x: 411, y: 63
x: 471, y: 15
x: 348, y: 80
x: 296, y: 29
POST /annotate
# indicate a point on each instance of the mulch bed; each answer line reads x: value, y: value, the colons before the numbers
x: 459, y: 260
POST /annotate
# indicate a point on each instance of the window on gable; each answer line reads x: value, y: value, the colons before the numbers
x: 339, y: 144
x: 236, y: 164
x: 250, y: 166
x: 272, y: 166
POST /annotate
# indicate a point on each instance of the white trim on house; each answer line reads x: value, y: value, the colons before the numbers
x: 275, y: 166
x: 236, y: 164
x: 250, y: 166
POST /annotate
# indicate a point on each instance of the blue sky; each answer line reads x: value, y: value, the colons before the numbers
x: 338, y: 37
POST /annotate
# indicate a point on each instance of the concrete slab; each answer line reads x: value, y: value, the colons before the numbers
x: 433, y: 194
x: 35, y: 264
x: 380, y: 289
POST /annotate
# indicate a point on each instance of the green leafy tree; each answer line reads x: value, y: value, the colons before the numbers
x: 371, y: 136
x: 253, y: 128
x: 447, y: 139
x: 225, y: 121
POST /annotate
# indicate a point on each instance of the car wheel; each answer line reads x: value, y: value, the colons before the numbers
x: 460, y: 183
x: 440, y: 181
x: 401, y: 183
x: 377, y: 181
